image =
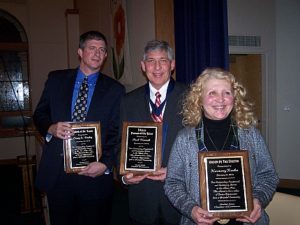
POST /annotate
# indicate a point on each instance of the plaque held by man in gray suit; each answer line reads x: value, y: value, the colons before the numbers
x: 141, y: 147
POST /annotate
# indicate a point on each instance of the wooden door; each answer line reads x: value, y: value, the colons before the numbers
x: 247, y: 70
x: 164, y: 23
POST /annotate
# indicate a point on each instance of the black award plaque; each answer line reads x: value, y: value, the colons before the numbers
x: 225, y: 183
x: 83, y: 147
x: 141, y: 147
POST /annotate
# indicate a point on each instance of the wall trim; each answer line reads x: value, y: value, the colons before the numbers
x: 289, y: 183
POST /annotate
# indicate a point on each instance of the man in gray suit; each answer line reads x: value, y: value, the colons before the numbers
x: 147, y: 201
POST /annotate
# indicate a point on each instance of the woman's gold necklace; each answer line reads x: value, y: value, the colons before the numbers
x: 226, y: 139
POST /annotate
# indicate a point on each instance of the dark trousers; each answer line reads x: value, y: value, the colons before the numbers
x: 73, y: 204
x: 231, y: 222
x: 92, y: 212
x: 157, y: 222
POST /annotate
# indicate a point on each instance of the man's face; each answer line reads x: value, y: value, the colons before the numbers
x: 158, y: 68
x: 92, y: 56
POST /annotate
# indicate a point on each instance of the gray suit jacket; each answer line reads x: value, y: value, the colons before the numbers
x: 147, y: 199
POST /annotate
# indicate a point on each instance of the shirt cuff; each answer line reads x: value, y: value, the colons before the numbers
x: 48, y: 137
x: 107, y: 171
x: 123, y: 180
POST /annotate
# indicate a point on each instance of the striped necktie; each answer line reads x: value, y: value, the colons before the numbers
x: 157, y: 118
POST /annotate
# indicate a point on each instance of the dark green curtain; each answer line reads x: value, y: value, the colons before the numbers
x: 201, y: 37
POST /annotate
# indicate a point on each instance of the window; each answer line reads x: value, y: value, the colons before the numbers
x: 15, y: 102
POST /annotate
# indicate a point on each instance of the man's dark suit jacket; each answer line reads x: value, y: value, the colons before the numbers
x: 55, y: 106
x: 147, y: 198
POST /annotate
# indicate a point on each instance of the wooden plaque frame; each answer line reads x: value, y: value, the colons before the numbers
x: 83, y: 147
x: 141, y: 137
x: 222, y: 182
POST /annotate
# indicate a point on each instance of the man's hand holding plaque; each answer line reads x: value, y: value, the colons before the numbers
x: 159, y: 175
x: 141, y: 150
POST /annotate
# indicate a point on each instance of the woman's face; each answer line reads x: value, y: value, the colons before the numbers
x: 218, y: 98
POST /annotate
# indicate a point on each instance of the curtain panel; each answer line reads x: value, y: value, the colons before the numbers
x: 201, y: 37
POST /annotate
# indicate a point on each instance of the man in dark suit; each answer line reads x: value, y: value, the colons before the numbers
x: 83, y: 198
x: 147, y: 201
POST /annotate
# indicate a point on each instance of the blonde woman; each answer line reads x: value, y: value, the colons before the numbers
x: 217, y: 116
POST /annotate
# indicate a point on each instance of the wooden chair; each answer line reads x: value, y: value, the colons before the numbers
x: 27, y: 168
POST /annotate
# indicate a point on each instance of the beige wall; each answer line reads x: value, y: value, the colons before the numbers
x: 287, y: 88
x: 277, y: 24
x: 95, y: 15
x: 140, y: 30
x: 46, y: 27
x: 248, y: 18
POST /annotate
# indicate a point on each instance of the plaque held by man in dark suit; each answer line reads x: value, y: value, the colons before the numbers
x: 141, y: 147
x: 83, y: 147
x: 225, y: 183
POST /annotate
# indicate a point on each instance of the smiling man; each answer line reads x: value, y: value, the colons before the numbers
x: 84, y: 198
x: 147, y: 201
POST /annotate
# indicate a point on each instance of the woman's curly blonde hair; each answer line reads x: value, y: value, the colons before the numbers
x: 242, y: 112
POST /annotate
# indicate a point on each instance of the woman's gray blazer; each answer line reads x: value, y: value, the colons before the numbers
x: 182, y: 183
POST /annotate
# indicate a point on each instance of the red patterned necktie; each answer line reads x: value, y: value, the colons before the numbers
x: 80, y: 108
x: 157, y: 118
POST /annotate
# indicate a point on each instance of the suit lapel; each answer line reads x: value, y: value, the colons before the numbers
x: 67, y: 94
x: 145, y: 109
x: 171, y: 106
x: 98, y: 96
